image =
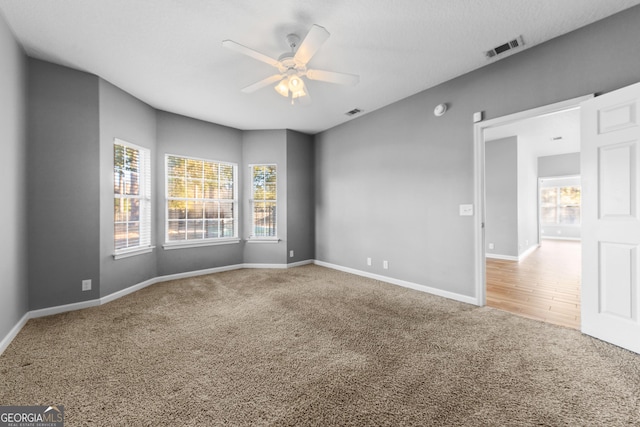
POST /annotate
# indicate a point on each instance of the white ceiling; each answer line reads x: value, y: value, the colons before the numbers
x: 168, y: 53
x: 546, y: 135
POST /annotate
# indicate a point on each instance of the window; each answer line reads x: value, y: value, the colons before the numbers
x: 264, y: 199
x: 560, y: 205
x: 131, y: 197
x: 202, y: 201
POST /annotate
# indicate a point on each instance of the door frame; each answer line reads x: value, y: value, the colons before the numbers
x: 479, y: 178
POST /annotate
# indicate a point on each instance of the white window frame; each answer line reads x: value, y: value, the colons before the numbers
x: 144, y: 197
x: 189, y: 243
x: 558, y: 206
x: 253, y: 238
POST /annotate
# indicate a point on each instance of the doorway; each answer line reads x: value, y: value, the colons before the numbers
x: 521, y: 267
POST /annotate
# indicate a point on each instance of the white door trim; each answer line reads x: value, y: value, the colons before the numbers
x: 479, y: 196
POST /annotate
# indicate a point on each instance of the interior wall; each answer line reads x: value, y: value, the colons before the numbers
x: 13, y: 116
x: 63, y: 185
x: 527, y: 196
x: 189, y: 137
x: 125, y: 117
x: 265, y: 147
x: 389, y: 184
x: 501, y: 197
x: 559, y: 165
x: 300, y: 197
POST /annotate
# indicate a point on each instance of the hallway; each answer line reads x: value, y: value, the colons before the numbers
x: 544, y: 286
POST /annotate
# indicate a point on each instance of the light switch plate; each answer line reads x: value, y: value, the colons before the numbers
x: 466, y: 210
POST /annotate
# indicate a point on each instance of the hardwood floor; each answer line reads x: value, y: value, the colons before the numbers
x: 544, y: 286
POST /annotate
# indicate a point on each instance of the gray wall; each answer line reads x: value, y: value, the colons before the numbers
x: 300, y: 197
x: 260, y: 147
x: 125, y: 117
x: 389, y: 183
x: 559, y: 165
x: 63, y: 185
x: 527, y: 196
x: 193, y: 138
x: 14, y: 302
x: 501, y: 197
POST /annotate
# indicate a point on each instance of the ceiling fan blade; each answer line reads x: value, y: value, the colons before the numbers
x: 315, y: 38
x: 333, y: 77
x: 230, y: 44
x: 262, y: 83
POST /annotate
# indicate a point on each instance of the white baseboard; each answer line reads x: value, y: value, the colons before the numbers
x: 528, y: 252
x: 577, y: 239
x: 63, y: 308
x: 195, y: 273
x: 518, y: 258
x: 504, y: 257
x: 123, y: 292
x: 300, y: 263
x: 126, y: 291
x: 268, y: 266
x: 13, y: 332
x: 403, y: 283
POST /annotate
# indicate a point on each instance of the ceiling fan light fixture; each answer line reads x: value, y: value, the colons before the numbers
x: 296, y: 84
x: 299, y: 93
x: 283, y: 88
x: 300, y: 97
x: 292, y: 66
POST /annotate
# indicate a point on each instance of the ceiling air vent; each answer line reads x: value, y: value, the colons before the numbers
x: 353, y: 112
x: 515, y: 43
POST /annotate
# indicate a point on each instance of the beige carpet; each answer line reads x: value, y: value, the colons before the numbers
x: 313, y: 346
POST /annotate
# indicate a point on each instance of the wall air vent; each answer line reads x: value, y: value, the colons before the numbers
x: 353, y: 112
x: 513, y: 44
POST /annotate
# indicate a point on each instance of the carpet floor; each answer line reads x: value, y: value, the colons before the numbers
x: 310, y: 346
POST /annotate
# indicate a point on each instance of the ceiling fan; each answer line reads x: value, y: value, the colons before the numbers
x: 292, y: 66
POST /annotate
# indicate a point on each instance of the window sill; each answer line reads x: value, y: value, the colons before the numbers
x: 194, y: 244
x: 263, y: 240
x: 133, y: 252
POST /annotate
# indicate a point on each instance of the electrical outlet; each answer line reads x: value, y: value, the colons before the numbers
x: 368, y: 261
x: 291, y: 254
x: 385, y: 264
x: 86, y: 285
x: 466, y: 210
x: 491, y: 246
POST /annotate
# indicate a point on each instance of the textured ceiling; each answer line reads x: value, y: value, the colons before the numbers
x: 168, y: 53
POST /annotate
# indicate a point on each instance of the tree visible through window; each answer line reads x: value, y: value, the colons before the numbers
x: 132, y: 201
x: 264, y: 197
x: 560, y: 205
x: 201, y: 199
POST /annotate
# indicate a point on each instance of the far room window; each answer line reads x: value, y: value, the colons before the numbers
x: 201, y: 203
x: 132, y: 197
x: 560, y: 205
x: 264, y: 199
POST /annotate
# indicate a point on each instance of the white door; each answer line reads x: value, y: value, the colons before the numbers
x: 610, y: 126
